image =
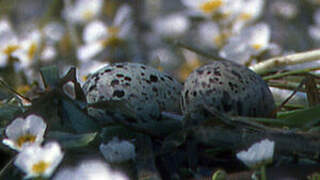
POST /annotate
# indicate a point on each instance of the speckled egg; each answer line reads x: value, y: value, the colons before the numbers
x: 147, y: 90
x: 228, y: 87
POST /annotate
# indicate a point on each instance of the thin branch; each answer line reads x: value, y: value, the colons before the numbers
x: 8, y: 164
x: 263, y: 66
x: 193, y: 48
x: 232, y: 122
x: 24, y: 100
x: 294, y: 72
x: 290, y: 97
x: 288, y: 143
x: 292, y: 59
x: 286, y: 85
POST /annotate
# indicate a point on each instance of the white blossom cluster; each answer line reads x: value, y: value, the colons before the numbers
x: 96, y: 32
x: 229, y: 27
x: 258, y: 154
x: 26, y: 136
x: 89, y: 170
x: 29, y: 46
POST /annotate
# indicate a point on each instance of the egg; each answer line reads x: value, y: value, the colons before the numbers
x: 229, y: 88
x: 147, y: 90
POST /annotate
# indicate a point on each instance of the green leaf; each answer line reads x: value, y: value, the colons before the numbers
x: 286, y: 114
x: 109, y: 132
x: 7, y: 113
x: 68, y: 140
x: 268, y: 121
x: 2, y: 131
x: 219, y: 175
x: 303, y: 118
x: 314, y: 130
x: 77, y: 119
x: 4, y: 94
x: 50, y: 76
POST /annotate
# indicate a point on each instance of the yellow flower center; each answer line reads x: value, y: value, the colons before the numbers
x: 256, y: 46
x: 225, y: 15
x: 113, y: 30
x: 220, y: 39
x: 40, y: 167
x: 87, y: 15
x: 211, y: 6
x: 113, y: 39
x: 245, y: 16
x: 10, y: 49
x: 26, y: 138
x: 32, y: 50
x: 84, y: 78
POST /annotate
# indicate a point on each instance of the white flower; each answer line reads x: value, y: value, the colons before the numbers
x: 89, y: 170
x: 249, y: 12
x: 22, y: 132
x: 53, y: 31
x: 94, y: 31
x: 48, y: 53
x: 118, y: 151
x: 314, y: 30
x: 93, y: 35
x: 9, y: 43
x: 210, y: 35
x: 251, y: 41
x: 172, y: 25
x: 287, y: 10
x: 164, y: 59
x: 223, y: 10
x: 86, y: 52
x: 122, y: 15
x: 259, y: 153
x: 230, y: 11
x: 204, y: 7
x: 30, y: 46
x: 36, y: 161
x: 98, y: 35
x: 83, y: 11
x: 5, y: 26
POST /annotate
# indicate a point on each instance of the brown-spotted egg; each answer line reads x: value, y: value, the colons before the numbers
x: 228, y: 87
x: 147, y: 90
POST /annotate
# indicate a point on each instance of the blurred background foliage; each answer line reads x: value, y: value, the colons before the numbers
x: 170, y: 46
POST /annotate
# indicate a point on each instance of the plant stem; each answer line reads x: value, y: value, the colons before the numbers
x: 193, y: 48
x: 263, y: 173
x: 286, y: 85
x: 292, y: 59
x: 300, y: 71
x: 6, y: 167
